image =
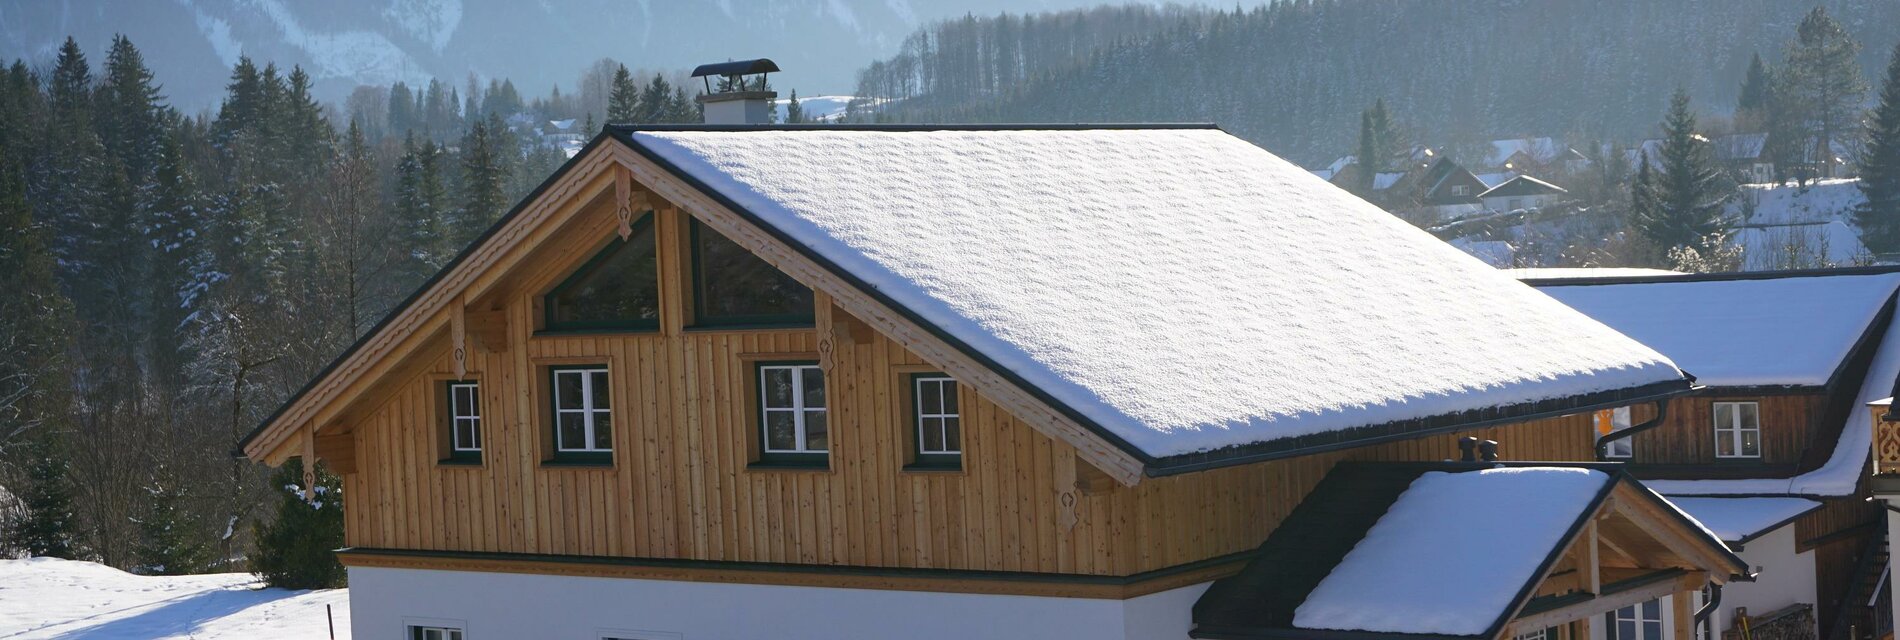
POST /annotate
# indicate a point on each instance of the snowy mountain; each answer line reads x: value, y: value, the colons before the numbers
x: 191, y: 44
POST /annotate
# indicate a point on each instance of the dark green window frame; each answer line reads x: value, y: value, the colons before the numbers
x: 460, y: 450
x: 579, y: 457
x: 702, y: 319
x: 432, y: 632
x: 801, y: 459
x: 947, y: 457
x: 551, y: 325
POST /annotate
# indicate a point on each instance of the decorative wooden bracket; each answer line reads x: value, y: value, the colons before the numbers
x: 309, y: 465
x: 623, y: 196
x: 458, y: 338
x: 827, y: 343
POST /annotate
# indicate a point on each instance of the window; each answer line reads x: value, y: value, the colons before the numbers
x: 733, y: 287
x: 464, y: 400
x: 1540, y: 634
x: 1515, y: 204
x: 1737, y: 430
x: 792, y: 425
x: 417, y: 632
x: 1460, y: 190
x: 1612, y: 421
x: 937, y: 420
x: 583, y: 414
x: 1637, y: 622
x: 618, y: 289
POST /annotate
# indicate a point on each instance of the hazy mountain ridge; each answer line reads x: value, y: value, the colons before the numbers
x: 344, y: 43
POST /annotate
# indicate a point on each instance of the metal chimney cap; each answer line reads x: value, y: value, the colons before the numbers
x: 736, y: 67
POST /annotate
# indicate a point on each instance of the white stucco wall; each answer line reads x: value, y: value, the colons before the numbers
x: 500, y: 605
x: 1785, y: 577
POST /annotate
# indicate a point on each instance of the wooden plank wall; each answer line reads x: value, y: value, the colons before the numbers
x: 1687, y: 435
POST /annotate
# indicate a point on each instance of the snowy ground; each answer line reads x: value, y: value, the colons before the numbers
x: 48, y: 598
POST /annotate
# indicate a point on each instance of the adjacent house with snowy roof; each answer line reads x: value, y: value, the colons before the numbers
x: 974, y: 381
x: 1770, y: 452
x: 1522, y: 193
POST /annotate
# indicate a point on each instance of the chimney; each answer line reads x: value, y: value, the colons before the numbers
x: 1467, y: 449
x: 741, y: 97
x: 1489, y: 450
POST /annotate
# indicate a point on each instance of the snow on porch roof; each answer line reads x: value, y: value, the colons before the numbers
x: 1468, y: 543
x: 1742, y: 519
x: 1770, y: 331
x: 1181, y: 289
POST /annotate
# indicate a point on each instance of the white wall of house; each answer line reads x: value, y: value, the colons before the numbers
x: 505, y: 605
x: 1893, y: 525
x: 1786, y: 578
x: 1513, y: 203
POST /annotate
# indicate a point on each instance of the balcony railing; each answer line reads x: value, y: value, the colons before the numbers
x: 1886, y: 444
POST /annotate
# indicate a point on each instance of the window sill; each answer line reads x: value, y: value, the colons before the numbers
x: 751, y: 326
x: 789, y: 465
x: 934, y: 468
x: 460, y: 462
x: 595, y: 331
x: 564, y: 462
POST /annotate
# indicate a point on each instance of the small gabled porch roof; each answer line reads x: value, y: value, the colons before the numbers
x: 1462, y: 550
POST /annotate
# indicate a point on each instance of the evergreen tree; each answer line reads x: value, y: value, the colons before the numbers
x: 169, y: 540
x: 296, y: 549
x: 794, y: 112
x: 35, y: 319
x: 1822, y: 82
x: 623, y: 103
x: 1688, y: 191
x: 424, y: 230
x: 657, y: 102
x: 1751, y: 106
x: 131, y: 120
x: 50, y: 527
x: 1378, y: 143
x: 70, y: 92
x: 485, y: 150
x: 1879, y: 216
x: 170, y: 216
x: 402, y: 109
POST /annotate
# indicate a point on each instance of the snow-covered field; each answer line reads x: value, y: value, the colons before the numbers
x: 50, y: 598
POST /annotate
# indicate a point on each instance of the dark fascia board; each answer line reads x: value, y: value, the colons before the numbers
x: 815, y: 569
x: 1529, y: 589
x: 1249, y: 633
x: 1712, y: 277
x: 424, y: 287
x: 1154, y: 466
x: 736, y: 67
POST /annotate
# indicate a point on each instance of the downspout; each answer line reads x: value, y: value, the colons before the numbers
x: 1603, y: 441
x: 1702, y: 616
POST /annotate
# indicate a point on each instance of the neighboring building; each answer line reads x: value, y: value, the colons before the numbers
x: 1522, y: 193
x: 1770, y: 452
x: 1542, y: 156
x: 772, y: 382
x: 1745, y: 156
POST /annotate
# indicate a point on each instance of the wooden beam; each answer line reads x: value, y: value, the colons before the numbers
x: 1121, y: 465
x: 1602, y: 604
x: 1591, y: 568
x: 1671, y: 533
x: 458, y: 338
x: 1685, y: 616
x: 1622, y: 559
x: 1092, y: 481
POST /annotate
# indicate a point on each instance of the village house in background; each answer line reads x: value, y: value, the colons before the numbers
x: 743, y: 382
x: 1770, y: 451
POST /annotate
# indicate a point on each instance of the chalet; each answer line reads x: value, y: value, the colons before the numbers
x: 1522, y: 193
x: 1544, y: 156
x: 1770, y: 452
x: 1028, y: 381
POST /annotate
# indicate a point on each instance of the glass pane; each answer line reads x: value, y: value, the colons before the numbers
x: 1751, y: 443
x: 474, y: 401
x: 780, y: 431
x: 603, y: 430
x: 1652, y: 610
x: 734, y: 284
x: 620, y: 286
x: 474, y: 434
x: 932, y: 435
x: 1625, y: 629
x: 814, y: 380
x: 1724, y: 416
x: 567, y: 390
x: 603, y: 393
x: 1652, y: 631
x: 949, y: 390
x: 952, y: 434
x: 1725, y: 443
x: 572, y: 433
x: 815, y: 436
x: 777, y: 391
x: 1751, y: 416
x: 929, y: 397
x: 459, y: 400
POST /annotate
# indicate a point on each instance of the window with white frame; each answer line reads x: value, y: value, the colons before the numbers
x: 1612, y: 421
x: 1540, y: 634
x: 465, y: 420
x: 1737, y: 430
x: 1460, y: 190
x: 937, y: 418
x: 419, y: 632
x: 1637, y: 622
x: 583, y: 413
x: 792, y: 417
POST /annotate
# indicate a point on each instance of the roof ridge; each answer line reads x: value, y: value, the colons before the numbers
x: 913, y: 127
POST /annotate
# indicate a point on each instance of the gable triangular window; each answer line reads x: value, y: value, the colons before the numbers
x: 618, y: 289
x: 733, y: 287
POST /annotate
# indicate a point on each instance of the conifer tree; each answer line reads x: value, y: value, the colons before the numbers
x: 794, y: 112
x: 50, y: 527
x: 484, y: 172
x: 1879, y: 216
x: 131, y: 118
x: 170, y: 543
x: 424, y: 230
x: 1821, y: 80
x: 1751, y: 106
x: 623, y: 103
x: 35, y: 319
x: 657, y: 102
x: 296, y: 548
x: 1688, y: 191
x: 170, y: 216
x: 1377, y: 144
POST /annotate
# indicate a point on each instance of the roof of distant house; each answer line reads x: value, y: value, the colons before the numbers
x: 1522, y: 186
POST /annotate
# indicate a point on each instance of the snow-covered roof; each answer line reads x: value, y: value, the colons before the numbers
x: 1567, y: 273
x: 1468, y: 543
x: 1771, y: 331
x: 1539, y: 149
x: 1385, y: 180
x: 1742, y: 519
x: 1800, y: 246
x: 1492, y: 180
x: 1521, y: 186
x: 1179, y: 288
x: 1845, y: 467
x: 1739, y: 146
x: 1497, y: 253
